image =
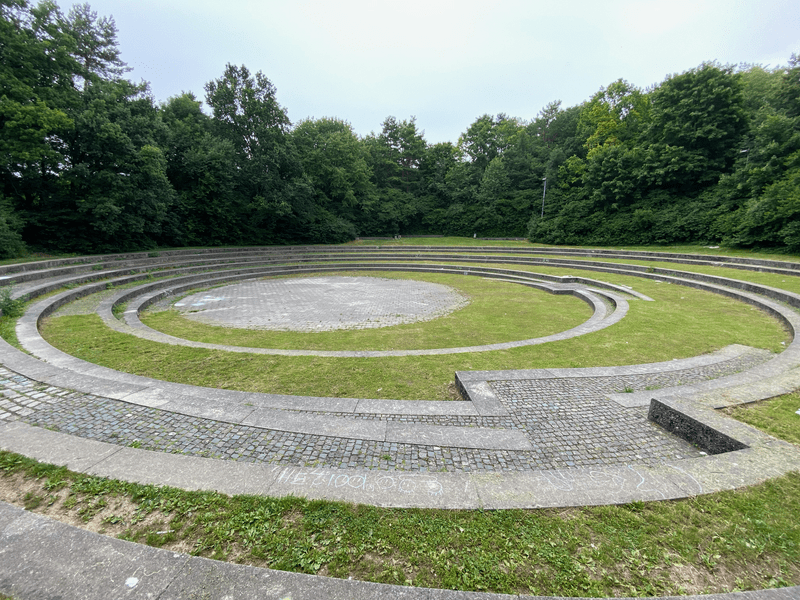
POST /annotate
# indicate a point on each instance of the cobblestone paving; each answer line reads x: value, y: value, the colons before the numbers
x: 568, y: 421
x: 321, y: 303
x: 572, y: 419
x: 518, y: 393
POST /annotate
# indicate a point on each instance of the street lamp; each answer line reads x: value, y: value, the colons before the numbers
x: 544, y: 192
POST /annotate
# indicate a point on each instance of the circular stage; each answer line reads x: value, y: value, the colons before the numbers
x: 322, y: 303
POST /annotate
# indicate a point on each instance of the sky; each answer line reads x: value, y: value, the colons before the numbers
x: 444, y: 62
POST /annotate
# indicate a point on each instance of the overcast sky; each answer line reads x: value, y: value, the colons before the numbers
x: 445, y: 62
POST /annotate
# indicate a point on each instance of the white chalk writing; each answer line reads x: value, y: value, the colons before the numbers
x: 372, y: 483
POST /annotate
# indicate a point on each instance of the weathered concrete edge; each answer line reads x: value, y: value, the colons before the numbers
x: 150, y: 392
x: 44, y: 557
x: 765, y: 458
x: 673, y: 417
x: 722, y: 260
x: 770, y: 306
x: 254, y: 410
x: 142, y: 296
x: 481, y: 396
x: 723, y: 354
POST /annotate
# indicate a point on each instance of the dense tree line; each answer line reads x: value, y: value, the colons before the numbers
x: 90, y: 163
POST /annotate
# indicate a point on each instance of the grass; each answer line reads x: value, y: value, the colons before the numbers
x: 672, y: 248
x: 8, y: 331
x: 34, y: 257
x: 737, y: 540
x: 497, y: 312
x: 682, y: 322
x: 744, y: 539
x: 11, y: 307
x: 440, y: 241
x: 778, y: 417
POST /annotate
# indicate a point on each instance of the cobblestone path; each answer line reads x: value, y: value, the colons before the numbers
x: 569, y: 422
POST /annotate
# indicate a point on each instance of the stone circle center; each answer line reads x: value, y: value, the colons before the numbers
x: 314, y: 304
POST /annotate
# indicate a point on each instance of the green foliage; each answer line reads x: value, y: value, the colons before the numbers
x: 95, y: 40
x: 88, y: 163
x: 335, y: 162
x: 698, y: 119
x: 201, y: 167
x: 247, y: 114
x: 616, y: 115
x: 773, y: 218
x: 486, y: 139
x: 11, y: 307
x: 11, y: 244
x: 116, y: 195
x: 628, y: 550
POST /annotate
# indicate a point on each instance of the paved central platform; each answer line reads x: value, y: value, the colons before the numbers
x: 314, y: 304
x: 520, y: 439
x: 514, y: 440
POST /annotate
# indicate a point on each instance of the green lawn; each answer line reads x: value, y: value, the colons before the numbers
x: 497, y: 312
x: 682, y: 322
x: 737, y: 540
x: 777, y: 416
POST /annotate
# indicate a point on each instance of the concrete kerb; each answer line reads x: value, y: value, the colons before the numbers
x: 42, y: 557
x: 140, y: 298
x: 764, y: 458
x: 65, y: 299
x: 7, y: 271
x: 37, y: 570
x: 45, y: 308
x: 205, y: 402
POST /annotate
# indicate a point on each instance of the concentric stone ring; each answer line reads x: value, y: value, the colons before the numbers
x: 484, y: 429
x: 137, y: 299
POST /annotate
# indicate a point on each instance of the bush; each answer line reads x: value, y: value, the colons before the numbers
x: 9, y: 306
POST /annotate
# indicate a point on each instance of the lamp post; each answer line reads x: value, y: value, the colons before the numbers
x: 544, y: 192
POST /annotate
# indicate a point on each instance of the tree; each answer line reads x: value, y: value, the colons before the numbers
x: 335, y: 161
x: 396, y: 154
x: 616, y: 115
x: 773, y: 218
x: 201, y: 168
x: 438, y: 160
x: 95, y: 44
x: 395, y: 158
x: 11, y: 244
x: 269, y: 175
x: 487, y: 138
x: 789, y: 93
x: 698, y: 119
x: 112, y: 192
x: 35, y: 92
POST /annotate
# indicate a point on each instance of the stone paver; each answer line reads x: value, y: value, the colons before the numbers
x: 142, y: 296
x: 586, y: 448
x: 569, y: 422
x: 322, y: 303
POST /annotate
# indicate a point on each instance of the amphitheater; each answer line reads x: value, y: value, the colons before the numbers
x: 523, y: 438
